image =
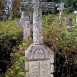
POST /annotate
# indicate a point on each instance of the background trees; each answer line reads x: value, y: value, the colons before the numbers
x: 2, y: 3
x: 71, y: 5
x: 16, y: 8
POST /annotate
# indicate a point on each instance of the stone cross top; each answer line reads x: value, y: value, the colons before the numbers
x: 61, y: 9
x: 36, y: 6
x: 76, y: 16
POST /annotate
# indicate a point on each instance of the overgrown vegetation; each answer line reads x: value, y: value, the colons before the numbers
x: 2, y: 3
x: 63, y: 41
x: 18, y: 60
x: 16, y: 8
x: 10, y: 38
x: 12, y: 50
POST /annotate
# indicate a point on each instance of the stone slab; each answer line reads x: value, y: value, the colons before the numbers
x: 43, y: 5
x: 45, y: 68
x: 36, y: 52
x: 40, y: 68
x: 34, y: 69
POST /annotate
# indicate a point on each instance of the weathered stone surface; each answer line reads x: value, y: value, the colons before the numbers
x: 43, y: 5
x: 52, y: 68
x: 48, y: 6
x: 45, y: 68
x: 40, y: 68
x: 39, y: 56
x: 37, y: 8
x: 37, y: 24
x: 34, y: 69
x: 27, y: 27
x: 52, y: 75
x: 36, y: 52
x: 27, y: 66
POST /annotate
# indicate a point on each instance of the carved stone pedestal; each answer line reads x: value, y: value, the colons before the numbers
x: 40, y: 61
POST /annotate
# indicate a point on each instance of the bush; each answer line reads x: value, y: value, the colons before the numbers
x: 18, y: 60
x: 10, y: 38
x: 63, y: 41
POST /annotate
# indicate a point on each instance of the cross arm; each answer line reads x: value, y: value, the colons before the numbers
x: 43, y: 6
x: 26, y: 6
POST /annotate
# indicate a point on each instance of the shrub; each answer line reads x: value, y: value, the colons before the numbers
x: 63, y: 41
x: 10, y: 38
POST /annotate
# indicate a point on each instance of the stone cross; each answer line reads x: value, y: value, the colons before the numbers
x: 61, y: 9
x: 37, y: 17
x: 76, y: 16
x: 40, y: 57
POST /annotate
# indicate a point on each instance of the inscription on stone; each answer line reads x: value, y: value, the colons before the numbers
x: 34, y: 69
x: 39, y: 68
x: 45, y: 69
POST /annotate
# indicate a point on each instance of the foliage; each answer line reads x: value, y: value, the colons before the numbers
x: 56, y: 32
x: 16, y: 8
x: 2, y: 3
x: 18, y: 59
x: 12, y: 49
x: 10, y: 38
x: 63, y: 41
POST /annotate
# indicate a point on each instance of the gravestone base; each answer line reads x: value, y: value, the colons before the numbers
x: 40, y: 61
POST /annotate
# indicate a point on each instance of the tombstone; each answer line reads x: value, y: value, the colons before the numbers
x: 4, y: 17
x: 76, y: 16
x: 25, y: 24
x: 20, y: 23
x: 61, y: 10
x: 40, y: 57
x: 27, y: 27
x: 70, y: 22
